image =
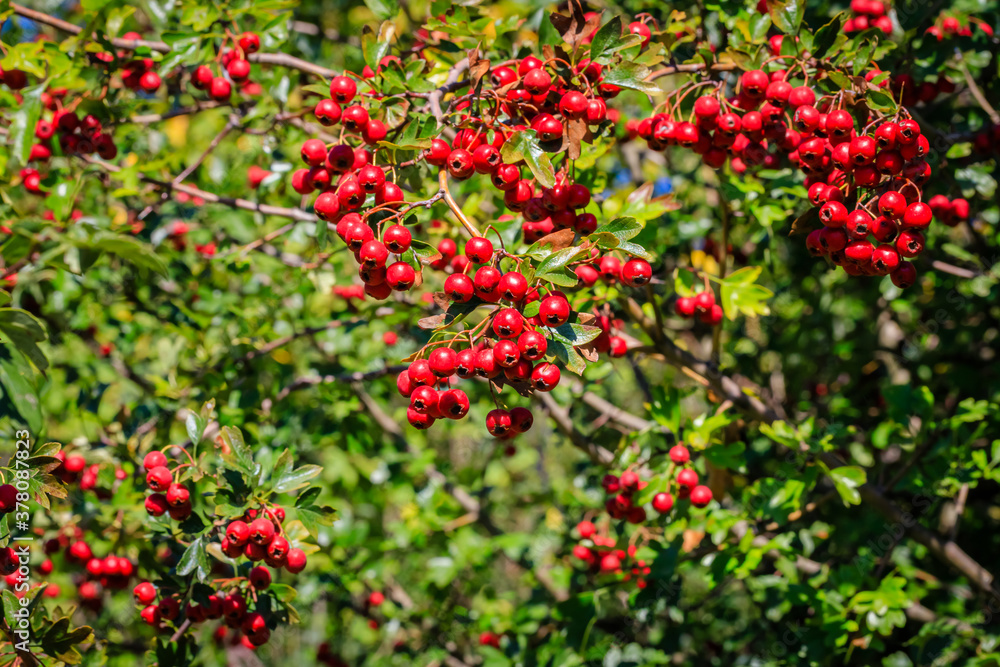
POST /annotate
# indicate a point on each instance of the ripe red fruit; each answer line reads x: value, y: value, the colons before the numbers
x: 437, y: 154
x: 151, y: 615
x: 238, y: 532
x: 703, y: 301
x: 343, y: 89
x: 910, y: 243
x: 573, y: 104
x: 397, y: 239
x: 904, y: 275
x: 506, y: 353
x: 158, y: 479
x: 479, y: 250
x: 885, y: 259
x: 547, y: 127
x: 355, y: 118
x: 178, y: 495
x: 443, y: 361
x: 424, y: 400
x: 453, y: 404
x: 893, y: 205
x: 679, y: 454
x: 918, y: 215
x: 701, y: 496
x: 156, y: 504
x: 458, y: 287
x: 545, y: 377
x: 554, y: 311
x: 150, y: 81
x: 636, y: 272
x: 833, y: 214
x: 862, y: 150
x: 295, y: 561
x: 400, y: 276
x: 498, y: 423
x: 859, y: 252
x: 261, y: 531
x: 144, y: 593
x: 532, y: 345
x: 663, y: 502
x: 373, y: 254
x: 461, y: 164
x: 238, y: 70
x: 685, y: 306
x: 249, y: 42
x: 618, y: 347
x: 610, y: 563
x: 754, y: 83
x: 220, y: 89
x: 521, y: 420
x: 487, y: 283
x: 508, y: 323
x: 537, y: 81
x: 374, y: 131
x: 506, y: 177
x: 513, y: 286
x: 486, y: 364
x: 154, y: 459
x: 486, y: 159
x: 687, y: 477
x: 277, y: 549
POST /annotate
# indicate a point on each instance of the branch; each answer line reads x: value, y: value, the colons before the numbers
x: 264, y: 209
x: 560, y: 415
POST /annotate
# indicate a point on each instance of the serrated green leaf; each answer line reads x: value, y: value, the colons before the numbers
x: 786, y: 14
x: 632, y: 76
x: 524, y: 146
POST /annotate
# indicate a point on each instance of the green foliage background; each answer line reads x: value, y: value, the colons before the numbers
x: 794, y: 565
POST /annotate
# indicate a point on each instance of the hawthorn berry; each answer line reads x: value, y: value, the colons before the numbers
x: 701, y: 496
x: 506, y: 353
x: 663, y: 502
x: 554, y: 311
x: 636, y: 272
x: 453, y: 403
x: 144, y: 593
x: 424, y: 399
x: 154, y: 459
x: 400, y: 276
x: 687, y: 477
x: 545, y: 377
x: 261, y: 531
x: 158, y: 478
x: 343, y: 89
x: 498, y: 422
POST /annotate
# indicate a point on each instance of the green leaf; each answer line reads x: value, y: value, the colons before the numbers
x: 847, y: 479
x: 131, y: 250
x: 666, y: 407
x: 289, y: 480
x: 18, y: 379
x: 576, y: 334
x: 195, y: 559
x: 239, y: 458
x: 827, y: 35
x: 22, y: 127
x: 524, y: 146
x: 739, y: 294
x: 759, y: 25
x: 25, y: 331
x: 786, y: 14
x: 842, y: 80
x: 572, y: 360
x: 557, y: 260
x: 383, y: 9
x: 315, y: 516
x: 375, y: 47
x: 632, y: 76
x: 880, y: 101
x: 862, y: 59
x: 610, y: 40
x: 611, y: 234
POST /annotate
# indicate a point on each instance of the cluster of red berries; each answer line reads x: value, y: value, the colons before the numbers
x: 75, y: 136
x: 236, y: 66
x: 599, y: 554
x: 621, y: 489
x: 949, y: 211
x: 168, y: 497
x: 74, y: 469
x: 231, y: 607
x: 259, y: 537
x: 952, y: 26
x: 346, y: 177
x: 910, y: 93
x: 103, y: 574
x: 886, y: 157
x: 888, y: 170
x: 701, y: 304
x: 868, y: 14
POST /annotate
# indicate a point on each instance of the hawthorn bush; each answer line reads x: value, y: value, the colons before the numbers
x: 505, y: 334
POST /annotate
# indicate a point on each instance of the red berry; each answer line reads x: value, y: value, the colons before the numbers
x: 545, y: 377
x: 261, y: 531
x: 343, y: 89
x: 144, y: 593
x: 498, y: 422
x: 154, y: 459
x: 158, y: 479
x: 554, y: 311
x: 701, y: 496
x: 663, y: 502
